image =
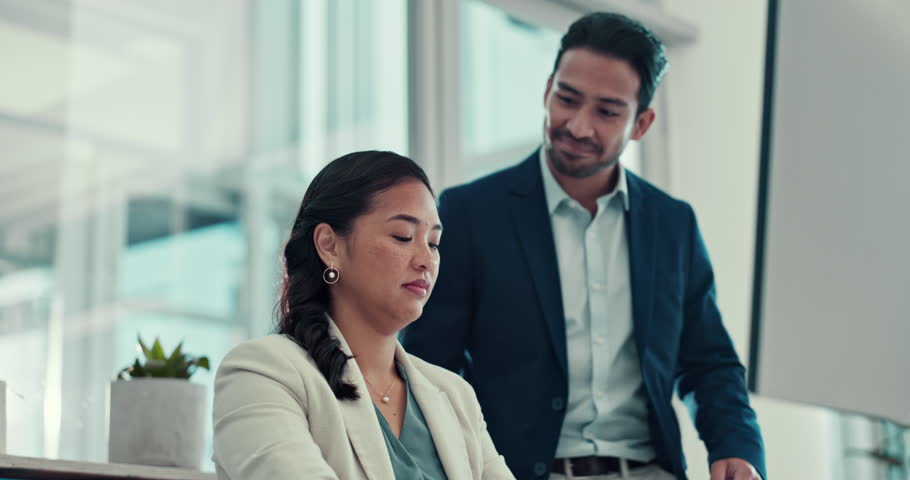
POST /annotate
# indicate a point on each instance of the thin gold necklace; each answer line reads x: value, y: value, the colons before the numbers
x: 385, y: 396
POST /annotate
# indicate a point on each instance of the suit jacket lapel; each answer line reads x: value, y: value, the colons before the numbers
x: 535, y: 233
x: 642, y: 237
x: 441, y: 420
x: 361, y: 423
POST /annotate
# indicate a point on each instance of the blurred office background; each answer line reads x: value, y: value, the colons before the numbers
x: 153, y: 155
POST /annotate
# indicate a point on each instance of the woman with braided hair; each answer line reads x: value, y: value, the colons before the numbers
x: 332, y: 395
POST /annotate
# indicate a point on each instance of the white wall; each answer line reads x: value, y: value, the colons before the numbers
x: 714, y: 103
x: 826, y: 285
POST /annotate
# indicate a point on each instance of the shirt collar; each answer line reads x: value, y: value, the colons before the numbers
x: 555, y: 195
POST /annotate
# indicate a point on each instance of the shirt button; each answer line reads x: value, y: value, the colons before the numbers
x: 540, y: 468
x: 599, y: 340
x: 600, y: 395
x: 588, y: 436
x: 558, y: 403
x: 596, y: 285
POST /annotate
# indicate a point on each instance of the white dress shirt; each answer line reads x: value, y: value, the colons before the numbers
x: 607, y: 412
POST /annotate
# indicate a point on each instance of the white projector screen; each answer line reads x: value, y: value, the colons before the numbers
x: 831, y: 309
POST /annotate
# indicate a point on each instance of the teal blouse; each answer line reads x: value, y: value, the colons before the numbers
x: 413, y: 454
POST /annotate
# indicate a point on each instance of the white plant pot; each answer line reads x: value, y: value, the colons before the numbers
x: 157, y: 421
x: 2, y: 417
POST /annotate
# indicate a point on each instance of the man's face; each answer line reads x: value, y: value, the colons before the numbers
x: 591, y: 102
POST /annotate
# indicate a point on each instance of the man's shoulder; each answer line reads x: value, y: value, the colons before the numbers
x: 492, y: 184
x: 655, y: 197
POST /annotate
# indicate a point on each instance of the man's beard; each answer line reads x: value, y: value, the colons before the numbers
x: 564, y: 167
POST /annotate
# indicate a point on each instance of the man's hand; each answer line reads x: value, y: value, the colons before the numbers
x: 733, y: 469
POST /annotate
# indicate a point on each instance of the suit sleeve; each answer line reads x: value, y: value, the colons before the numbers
x: 710, y: 377
x: 261, y: 430
x: 440, y: 335
x: 494, y: 465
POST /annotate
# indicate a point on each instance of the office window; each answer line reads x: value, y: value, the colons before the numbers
x: 505, y: 65
x: 155, y: 154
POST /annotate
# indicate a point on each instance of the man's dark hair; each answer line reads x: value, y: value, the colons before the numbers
x: 620, y: 37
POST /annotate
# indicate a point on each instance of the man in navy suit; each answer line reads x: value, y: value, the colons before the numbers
x: 575, y: 296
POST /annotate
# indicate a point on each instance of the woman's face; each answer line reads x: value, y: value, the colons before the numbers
x: 389, y: 262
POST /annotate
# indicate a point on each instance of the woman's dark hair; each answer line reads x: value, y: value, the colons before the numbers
x: 620, y: 37
x: 341, y: 192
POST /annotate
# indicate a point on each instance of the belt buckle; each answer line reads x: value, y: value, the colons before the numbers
x: 599, y: 466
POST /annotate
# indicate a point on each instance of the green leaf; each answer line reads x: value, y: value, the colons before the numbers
x: 156, y: 368
x: 172, y: 366
x: 176, y: 355
x: 136, y: 370
x: 159, y: 364
x: 157, y: 351
x: 145, y: 350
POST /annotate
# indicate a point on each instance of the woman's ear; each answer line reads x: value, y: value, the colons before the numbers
x: 327, y: 242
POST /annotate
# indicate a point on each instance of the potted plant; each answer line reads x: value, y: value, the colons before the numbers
x: 157, y: 416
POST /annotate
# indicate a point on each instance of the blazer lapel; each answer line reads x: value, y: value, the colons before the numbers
x: 642, y: 237
x: 447, y: 433
x: 361, y: 423
x: 535, y: 233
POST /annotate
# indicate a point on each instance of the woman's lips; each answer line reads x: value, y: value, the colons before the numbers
x: 419, y: 291
x: 418, y: 287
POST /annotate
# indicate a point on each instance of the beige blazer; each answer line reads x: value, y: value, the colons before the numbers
x: 275, y: 418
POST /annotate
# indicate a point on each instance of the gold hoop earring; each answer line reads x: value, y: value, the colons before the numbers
x: 331, y: 274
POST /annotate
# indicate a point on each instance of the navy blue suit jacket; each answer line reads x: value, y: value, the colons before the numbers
x: 496, y: 316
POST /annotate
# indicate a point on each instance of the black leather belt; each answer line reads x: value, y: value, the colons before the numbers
x: 590, y: 466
